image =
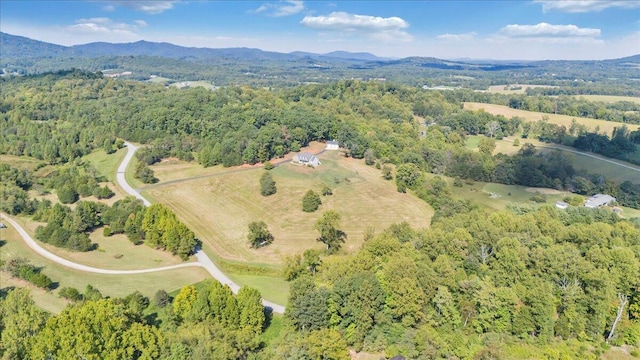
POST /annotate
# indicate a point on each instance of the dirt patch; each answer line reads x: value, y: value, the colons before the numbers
x: 545, y: 191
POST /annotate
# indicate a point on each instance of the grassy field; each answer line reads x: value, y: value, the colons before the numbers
x: 219, y: 208
x: 608, y: 98
x: 20, y: 162
x: 605, y: 126
x: 106, y: 164
x: 499, y: 196
x: 271, y: 288
x: 506, y: 89
x: 111, y: 285
x: 580, y: 161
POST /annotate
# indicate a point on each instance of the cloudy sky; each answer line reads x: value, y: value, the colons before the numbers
x: 508, y: 29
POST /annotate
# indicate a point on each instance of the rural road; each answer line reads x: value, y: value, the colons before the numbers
x: 64, y: 262
x: 203, y: 260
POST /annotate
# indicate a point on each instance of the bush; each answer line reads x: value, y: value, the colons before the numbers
x: 387, y: 174
x: 311, y: 201
x: 326, y: 191
x: 106, y: 231
x: 457, y: 182
x: 71, y: 294
x: 267, y: 185
x: 67, y: 195
x: 259, y: 235
x: 268, y: 165
x: 516, y: 142
x: 162, y: 299
x: 145, y: 174
x: 573, y: 200
x: 539, y: 198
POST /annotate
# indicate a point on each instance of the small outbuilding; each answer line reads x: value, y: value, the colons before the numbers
x: 599, y: 200
x: 306, y: 158
x: 332, y: 145
x: 2, y: 226
x: 561, y: 205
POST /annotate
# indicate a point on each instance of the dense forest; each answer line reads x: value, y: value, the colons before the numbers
x: 526, y: 282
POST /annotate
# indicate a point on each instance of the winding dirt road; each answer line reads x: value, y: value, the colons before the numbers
x: 203, y: 260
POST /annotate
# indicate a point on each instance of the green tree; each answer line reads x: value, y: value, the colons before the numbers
x: 330, y: 234
x: 20, y: 321
x: 183, y: 302
x: 311, y: 201
x: 267, y: 185
x: 407, y: 176
x: 67, y: 195
x: 251, y: 310
x: 487, y: 145
x: 259, y: 234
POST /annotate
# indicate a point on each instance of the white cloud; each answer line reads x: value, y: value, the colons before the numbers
x: 106, y: 26
x: 544, y: 30
x: 583, y: 6
x: 281, y: 8
x: 457, y: 37
x: 147, y: 6
x: 375, y: 27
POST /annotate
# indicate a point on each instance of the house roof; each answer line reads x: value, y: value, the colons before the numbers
x: 306, y: 157
x: 599, y: 200
x: 332, y: 142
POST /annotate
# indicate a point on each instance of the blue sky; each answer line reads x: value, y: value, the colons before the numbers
x: 508, y: 29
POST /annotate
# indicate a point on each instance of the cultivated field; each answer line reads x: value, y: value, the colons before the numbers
x: 605, y: 126
x: 506, y: 89
x: 219, y: 208
x: 109, y: 285
x: 608, y: 98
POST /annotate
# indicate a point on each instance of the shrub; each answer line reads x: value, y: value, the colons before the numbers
x: 106, y: 231
x: 516, y: 142
x: 457, y: 182
x: 259, y: 235
x: 267, y: 185
x: 539, y: 198
x: 311, y: 201
x: 71, y: 294
x: 67, y: 195
x: 268, y: 165
x: 326, y: 191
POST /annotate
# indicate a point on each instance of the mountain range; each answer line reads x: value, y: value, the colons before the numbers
x: 21, y: 55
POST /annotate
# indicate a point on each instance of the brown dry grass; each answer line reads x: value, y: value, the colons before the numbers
x: 219, y: 208
x: 605, y: 126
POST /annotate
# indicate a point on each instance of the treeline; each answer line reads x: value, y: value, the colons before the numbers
x: 478, y: 285
x: 207, y: 322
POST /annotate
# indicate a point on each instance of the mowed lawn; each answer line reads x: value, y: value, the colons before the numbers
x: 219, y: 208
x: 605, y: 126
x: 109, y: 285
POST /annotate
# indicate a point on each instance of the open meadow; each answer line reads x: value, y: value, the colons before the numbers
x: 605, y: 126
x: 109, y: 285
x: 219, y: 208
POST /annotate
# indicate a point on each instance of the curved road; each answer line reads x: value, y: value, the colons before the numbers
x: 203, y: 260
x: 64, y: 262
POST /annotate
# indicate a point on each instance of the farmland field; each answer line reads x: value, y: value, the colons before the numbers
x: 608, y: 98
x: 605, y: 126
x: 500, y: 89
x: 219, y: 208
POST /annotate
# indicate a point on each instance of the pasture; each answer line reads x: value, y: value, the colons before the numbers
x: 604, y: 126
x: 106, y: 164
x: 109, y: 285
x: 219, y: 208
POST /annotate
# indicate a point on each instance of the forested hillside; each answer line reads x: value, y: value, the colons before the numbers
x: 525, y: 282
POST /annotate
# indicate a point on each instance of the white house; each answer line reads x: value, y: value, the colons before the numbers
x: 332, y: 145
x: 599, y: 200
x: 561, y: 205
x: 306, y: 158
